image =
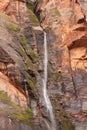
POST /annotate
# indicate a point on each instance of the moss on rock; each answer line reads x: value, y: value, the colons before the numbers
x: 33, y: 18
x: 56, y: 76
x: 23, y: 40
x: 30, y: 81
x: 30, y: 5
x: 33, y: 55
x: 6, y: 17
x: 22, y: 52
x: 27, y: 66
x: 27, y: 57
x: 29, y: 51
x: 26, y: 117
x: 4, y: 97
x: 12, y: 27
x: 16, y: 111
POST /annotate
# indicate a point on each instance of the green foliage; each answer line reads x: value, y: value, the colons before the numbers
x: 19, y: 114
x: 29, y: 50
x: 38, y: 1
x: 23, y: 40
x: 6, y: 17
x: 33, y: 55
x: 26, y: 116
x: 29, y: 111
x: 30, y: 81
x: 12, y: 27
x: 33, y: 18
x: 26, y: 59
x: 56, y: 76
x: 27, y: 65
x: 30, y: 5
x: 4, y: 97
x: 9, y: 23
x: 22, y: 52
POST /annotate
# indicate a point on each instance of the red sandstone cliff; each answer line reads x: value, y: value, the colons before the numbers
x: 21, y: 63
x: 68, y: 23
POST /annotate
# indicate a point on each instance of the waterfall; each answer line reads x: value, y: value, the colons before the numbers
x: 47, y: 101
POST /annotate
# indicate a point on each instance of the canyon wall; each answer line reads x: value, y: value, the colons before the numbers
x: 65, y: 23
x: 21, y: 63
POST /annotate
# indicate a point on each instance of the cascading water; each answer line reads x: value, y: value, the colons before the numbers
x: 47, y: 101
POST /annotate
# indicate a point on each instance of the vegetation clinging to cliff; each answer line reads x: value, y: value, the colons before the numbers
x: 33, y: 18
x: 16, y: 111
x: 12, y: 27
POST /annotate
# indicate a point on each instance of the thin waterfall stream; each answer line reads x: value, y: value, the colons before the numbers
x: 47, y: 101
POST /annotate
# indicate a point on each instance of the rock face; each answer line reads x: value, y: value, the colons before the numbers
x: 21, y: 63
x: 65, y: 23
x: 3, y: 5
x: 18, y: 65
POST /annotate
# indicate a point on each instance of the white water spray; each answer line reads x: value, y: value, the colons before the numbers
x: 51, y: 126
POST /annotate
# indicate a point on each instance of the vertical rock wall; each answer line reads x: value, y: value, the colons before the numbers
x: 21, y: 63
x: 65, y: 23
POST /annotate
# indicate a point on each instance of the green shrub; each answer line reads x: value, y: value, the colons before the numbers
x: 12, y: 27
x: 27, y: 47
x: 33, y: 18
x: 30, y: 81
x: 16, y: 112
x: 30, y: 5
x: 23, y: 40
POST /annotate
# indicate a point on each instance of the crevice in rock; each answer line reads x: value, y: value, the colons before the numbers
x: 7, y: 7
x: 81, y: 21
x: 71, y: 72
x: 84, y: 19
x: 32, y: 74
x: 78, y: 55
x: 5, y: 58
x: 78, y: 43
